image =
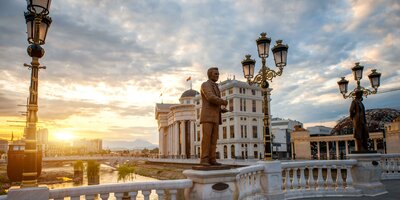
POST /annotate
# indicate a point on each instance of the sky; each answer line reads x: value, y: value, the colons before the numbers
x: 109, y: 61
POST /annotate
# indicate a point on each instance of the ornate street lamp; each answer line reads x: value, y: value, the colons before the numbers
x: 38, y: 22
x: 357, y: 110
x: 265, y: 74
x: 374, y: 78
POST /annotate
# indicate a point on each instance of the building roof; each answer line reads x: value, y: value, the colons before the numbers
x: 189, y: 93
x: 376, y: 118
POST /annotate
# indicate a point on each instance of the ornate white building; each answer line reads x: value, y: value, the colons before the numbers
x: 240, y: 134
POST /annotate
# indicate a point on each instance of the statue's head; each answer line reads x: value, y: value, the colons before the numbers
x: 213, y: 74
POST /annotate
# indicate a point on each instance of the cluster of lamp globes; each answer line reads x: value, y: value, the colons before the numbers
x: 37, y: 23
x: 374, y: 78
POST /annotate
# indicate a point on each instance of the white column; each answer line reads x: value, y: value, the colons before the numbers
x: 161, y: 141
x: 347, y: 147
x: 337, y: 150
x: 375, y: 144
x: 183, y: 138
x: 170, y: 144
x: 192, y: 137
x: 327, y: 150
x: 318, y: 151
x: 176, y: 138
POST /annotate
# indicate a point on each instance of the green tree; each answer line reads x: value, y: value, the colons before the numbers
x: 125, y: 172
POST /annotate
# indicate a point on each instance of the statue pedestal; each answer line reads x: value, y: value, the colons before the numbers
x: 367, y: 174
x: 216, y: 184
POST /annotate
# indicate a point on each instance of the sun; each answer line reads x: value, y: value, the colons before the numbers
x: 64, y: 136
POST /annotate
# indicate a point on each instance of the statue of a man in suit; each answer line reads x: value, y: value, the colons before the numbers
x: 210, y: 117
x: 360, y: 128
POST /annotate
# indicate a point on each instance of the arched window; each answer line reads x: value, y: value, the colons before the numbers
x: 233, y: 151
x: 255, y: 151
x: 225, y: 151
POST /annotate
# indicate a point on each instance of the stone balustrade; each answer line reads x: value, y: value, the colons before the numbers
x: 305, y: 179
x: 248, y: 180
x: 273, y: 180
x: 168, y: 188
x: 390, y: 164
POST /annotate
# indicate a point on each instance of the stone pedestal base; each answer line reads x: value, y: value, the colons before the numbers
x: 208, y: 185
x: 271, y: 180
x: 367, y: 174
x: 37, y: 193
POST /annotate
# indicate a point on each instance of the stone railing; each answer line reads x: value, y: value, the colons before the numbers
x: 306, y: 179
x: 160, y: 189
x: 359, y: 176
x: 390, y: 164
x: 248, y: 180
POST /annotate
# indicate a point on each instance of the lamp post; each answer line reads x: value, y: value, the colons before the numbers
x: 357, y: 110
x: 265, y: 74
x: 38, y: 22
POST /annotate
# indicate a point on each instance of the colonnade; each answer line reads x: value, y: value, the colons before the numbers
x: 178, y: 139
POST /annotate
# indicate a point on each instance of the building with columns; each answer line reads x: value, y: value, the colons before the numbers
x: 240, y: 134
x: 281, y: 129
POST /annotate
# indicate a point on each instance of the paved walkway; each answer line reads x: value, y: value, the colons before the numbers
x: 392, y: 186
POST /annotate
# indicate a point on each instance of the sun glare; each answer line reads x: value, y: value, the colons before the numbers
x: 64, y: 136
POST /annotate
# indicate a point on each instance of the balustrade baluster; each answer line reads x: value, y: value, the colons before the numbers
x: 329, y: 181
x: 295, y: 180
x: 311, y: 182
x: 349, y: 179
x: 173, y: 194
x: 73, y: 198
x: 320, y: 179
x: 303, y: 183
x: 62, y: 198
x: 339, y: 179
x: 133, y: 194
x: 287, y: 180
x: 103, y: 196
x: 160, y: 194
x: 118, y: 195
x: 146, y: 194
x: 90, y: 196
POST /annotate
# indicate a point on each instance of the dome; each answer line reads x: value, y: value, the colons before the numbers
x: 189, y: 93
x: 375, y: 118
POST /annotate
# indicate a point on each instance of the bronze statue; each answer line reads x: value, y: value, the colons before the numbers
x: 360, y: 128
x: 210, y: 117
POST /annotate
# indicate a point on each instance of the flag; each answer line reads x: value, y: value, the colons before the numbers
x: 189, y: 78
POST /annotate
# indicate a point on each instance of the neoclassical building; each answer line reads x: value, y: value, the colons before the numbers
x: 240, y: 134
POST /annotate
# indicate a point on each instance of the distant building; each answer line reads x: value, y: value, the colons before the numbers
x: 88, y: 145
x: 3, y: 146
x: 319, y: 130
x: 281, y: 129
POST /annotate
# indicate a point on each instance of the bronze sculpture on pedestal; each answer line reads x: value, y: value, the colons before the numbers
x: 360, y: 128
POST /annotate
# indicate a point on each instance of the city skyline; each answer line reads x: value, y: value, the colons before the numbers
x: 109, y: 62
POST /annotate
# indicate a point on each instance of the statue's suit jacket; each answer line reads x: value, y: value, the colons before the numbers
x: 357, y: 114
x: 211, y: 103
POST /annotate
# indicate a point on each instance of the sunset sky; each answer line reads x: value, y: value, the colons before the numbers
x: 109, y: 61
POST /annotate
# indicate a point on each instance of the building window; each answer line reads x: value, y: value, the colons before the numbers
x: 231, y: 119
x: 232, y: 151
x: 223, y: 93
x: 198, y: 135
x: 255, y: 134
x: 243, y: 104
x: 224, y: 132
x: 232, y: 131
x: 231, y: 91
x: 242, y: 90
x: 225, y: 151
x: 198, y: 113
x: 246, y: 152
x: 254, y: 105
x: 253, y: 92
x: 243, y: 131
x: 255, y: 151
x: 231, y: 105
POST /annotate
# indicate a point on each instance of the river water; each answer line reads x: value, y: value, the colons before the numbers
x: 107, y: 175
